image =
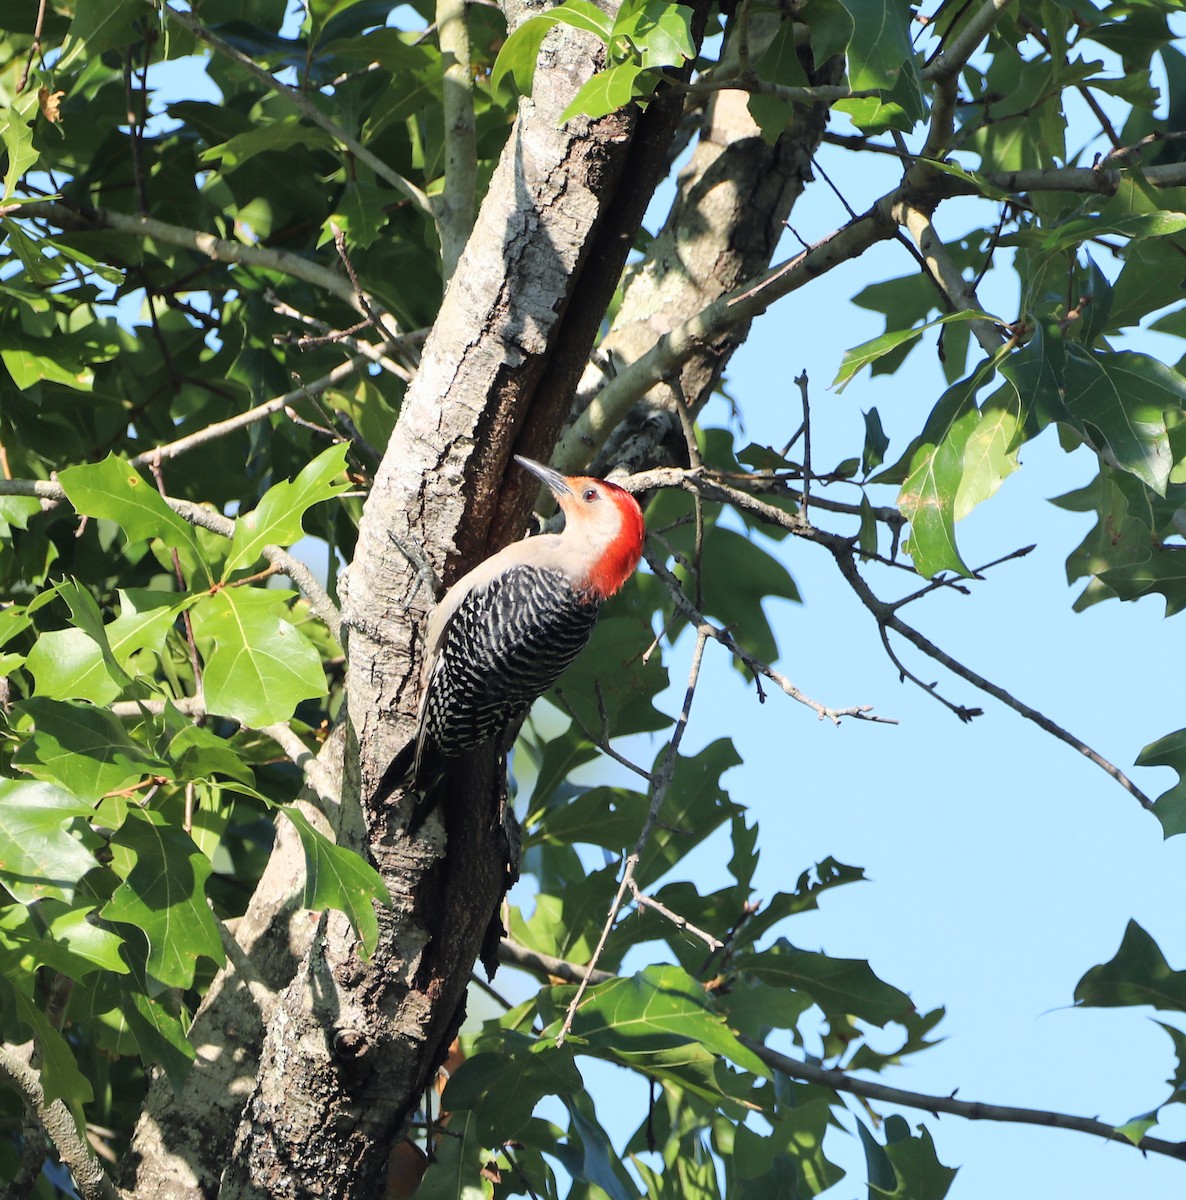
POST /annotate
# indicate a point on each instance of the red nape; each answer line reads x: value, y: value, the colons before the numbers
x: 617, y: 564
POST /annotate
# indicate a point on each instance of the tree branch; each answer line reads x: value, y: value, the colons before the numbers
x: 960, y: 294
x: 883, y: 613
x: 223, y: 428
x: 196, y: 514
x: 91, y: 1180
x: 215, y: 248
x: 972, y: 1110
x: 455, y: 208
x: 548, y: 967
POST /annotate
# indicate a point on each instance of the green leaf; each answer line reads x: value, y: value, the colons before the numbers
x: 1130, y: 226
x: 840, y: 986
x: 277, y: 519
x: 100, y: 25
x: 16, y: 132
x: 610, y: 90
x: 1138, y: 974
x: 519, y: 52
x: 337, y: 877
x: 1170, y: 806
x: 455, y: 1172
x: 600, y: 1165
x: 870, y: 351
x: 1136, y: 1128
x: 160, y: 1036
x: 1119, y: 402
x: 163, y: 894
x: 502, y: 1087
x: 114, y: 490
x: 58, y: 1072
x: 39, y: 856
x: 259, y: 667
x: 876, y: 443
x: 920, y: 1174
x: 281, y: 136
x: 780, y: 64
x: 661, y: 32
x: 990, y: 454
x: 612, y: 663
x: 879, y: 49
x: 660, y: 1022
x: 71, y: 944
x: 1163, y: 570
x: 90, y: 662
x: 84, y: 748
x: 928, y: 498
x: 789, y: 1160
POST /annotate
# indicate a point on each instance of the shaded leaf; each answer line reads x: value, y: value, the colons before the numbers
x: 84, y: 748
x: 1170, y: 807
x: 841, y: 986
x: 1138, y: 974
x: 163, y: 894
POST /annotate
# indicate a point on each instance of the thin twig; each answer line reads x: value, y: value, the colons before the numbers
x: 34, y: 48
x: 89, y: 1177
x: 863, y: 712
x: 260, y: 412
x: 644, y: 901
x: 664, y: 773
x: 843, y: 552
x: 971, y: 1110
x: 601, y: 741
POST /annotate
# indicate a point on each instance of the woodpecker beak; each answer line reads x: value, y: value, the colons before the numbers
x: 559, y: 485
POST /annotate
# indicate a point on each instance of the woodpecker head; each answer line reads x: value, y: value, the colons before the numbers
x: 603, y: 528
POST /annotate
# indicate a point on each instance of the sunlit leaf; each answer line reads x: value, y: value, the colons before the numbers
x: 40, y: 852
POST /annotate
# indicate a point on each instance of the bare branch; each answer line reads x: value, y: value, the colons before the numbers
x: 757, y: 667
x: 972, y: 1110
x: 960, y: 294
x: 645, y: 901
x: 548, y: 967
x: 883, y: 612
x: 321, y: 781
x: 91, y: 1180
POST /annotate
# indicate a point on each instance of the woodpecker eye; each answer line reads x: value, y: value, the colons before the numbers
x: 590, y: 494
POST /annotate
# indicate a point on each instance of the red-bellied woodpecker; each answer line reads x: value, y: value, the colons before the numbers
x: 504, y: 633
